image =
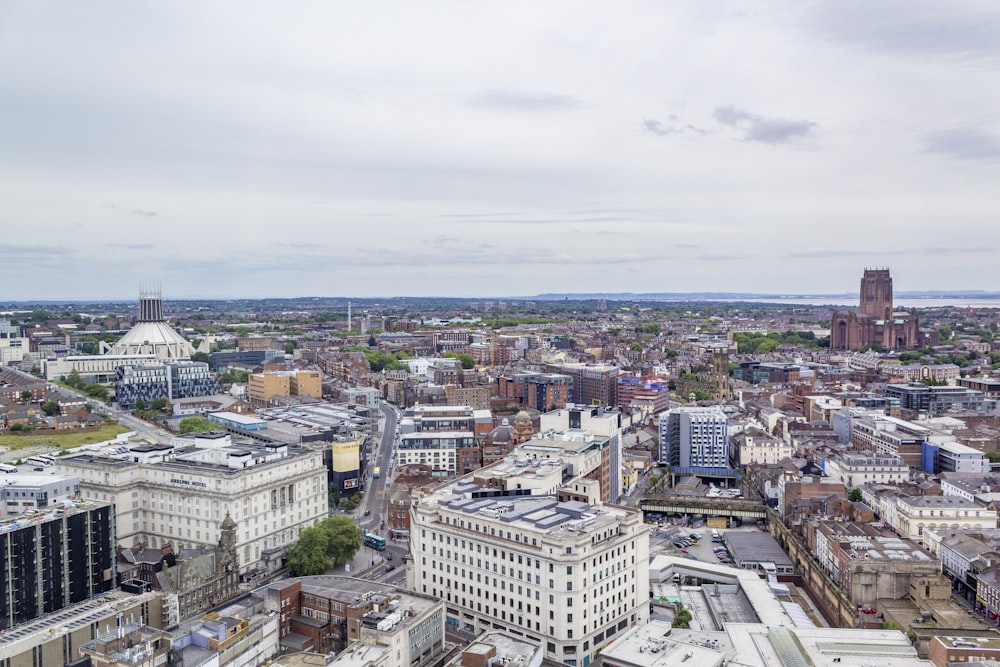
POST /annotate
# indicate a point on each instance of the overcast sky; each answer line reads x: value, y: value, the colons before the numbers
x: 496, y: 148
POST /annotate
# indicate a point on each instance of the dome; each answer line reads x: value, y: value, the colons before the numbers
x: 502, y: 434
x: 151, y: 334
x: 153, y: 338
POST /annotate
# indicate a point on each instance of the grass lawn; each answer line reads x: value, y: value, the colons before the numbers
x: 64, y: 440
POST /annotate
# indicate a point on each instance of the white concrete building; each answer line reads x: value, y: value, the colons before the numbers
x: 568, y: 575
x: 856, y: 469
x: 756, y: 446
x: 914, y: 514
x: 180, y: 493
x: 600, y: 421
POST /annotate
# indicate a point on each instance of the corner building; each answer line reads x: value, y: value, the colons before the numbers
x: 568, y: 575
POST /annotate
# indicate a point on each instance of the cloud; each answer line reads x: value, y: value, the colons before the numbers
x: 147, y: 214
x: 963, y: 144
x: 130, y: 246
x: 8, y: 250
x: 908, y: 28
x: 518, y: 101
x: 661, y: 129
x: 823, y: 253
x: 763, y: 129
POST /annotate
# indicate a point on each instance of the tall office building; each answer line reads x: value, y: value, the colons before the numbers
x: 505, y: 554
x: 50, y: 560
x: 694, y: 438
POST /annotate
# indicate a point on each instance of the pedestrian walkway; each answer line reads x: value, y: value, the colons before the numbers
x: 364, y: 561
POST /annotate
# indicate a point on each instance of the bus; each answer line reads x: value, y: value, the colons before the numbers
x: 376, y: 542
x: 41, y: 460
x: 377, y: 472
x: 7, y: 469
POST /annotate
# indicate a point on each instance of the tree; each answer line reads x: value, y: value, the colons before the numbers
x: 201, y: 356
x: 343, y: 537
x: 50, y: 408
x: 682, y: 619
x: 73, y: 379
x: 854, y: 496
x: 25, y: 396
x: 140, y: 404
x: 308, y: 556
x: 97, y: 391
x: 195, y: 425
x: 158, y: 404
x: 289, y: 347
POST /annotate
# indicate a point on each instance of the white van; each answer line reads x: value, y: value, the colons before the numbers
x: 715, y: 536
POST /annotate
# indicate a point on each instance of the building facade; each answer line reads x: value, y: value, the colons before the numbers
x: 875, y: 322
x: 569, y: 575
x: 179, y: 494
x: 50, y: 560
x: 693, y: 437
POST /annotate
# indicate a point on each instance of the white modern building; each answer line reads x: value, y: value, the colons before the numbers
x: 180, y: 493
x: 568, y: 575
x: 603, y: 423
x: 437, y: 449
x: 694, y: 437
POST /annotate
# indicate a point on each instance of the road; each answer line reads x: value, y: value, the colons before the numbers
x: 371, y: 514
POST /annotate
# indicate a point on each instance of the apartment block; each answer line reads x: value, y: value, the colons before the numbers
x: 52, y: 559
x: 262, y: 387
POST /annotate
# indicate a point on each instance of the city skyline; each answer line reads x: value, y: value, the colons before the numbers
x: 474, y: 151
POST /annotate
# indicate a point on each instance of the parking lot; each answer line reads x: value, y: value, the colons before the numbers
x: 662, y: 540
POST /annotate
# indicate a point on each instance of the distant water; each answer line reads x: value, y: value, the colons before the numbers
x: 853, y: 301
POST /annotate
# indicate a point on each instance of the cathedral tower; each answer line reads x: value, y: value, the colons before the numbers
x: 876, y: 294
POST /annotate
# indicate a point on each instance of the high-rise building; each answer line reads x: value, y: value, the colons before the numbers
x: 568, y: 575
x: 49, y: 560
x: 601, y: 422
x: 694, y: 437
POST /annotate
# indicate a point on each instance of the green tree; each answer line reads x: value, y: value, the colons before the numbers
x: 201, y: 356
x: 97, y: 391
x: 51, y: 408
x: 309, y: 555
x: 14, y: 428
x: 140, y: 404
x: 25, y: 396
x: 343, y: 537
x: 195, y: 425
x: 994, y: 457
x: 158, y: 404
x: 854, y: 496
x: 289, y: 347
x: 682, y: 619
x: 73, y: 379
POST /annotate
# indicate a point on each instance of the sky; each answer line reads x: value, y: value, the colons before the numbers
x: 473, y: 149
